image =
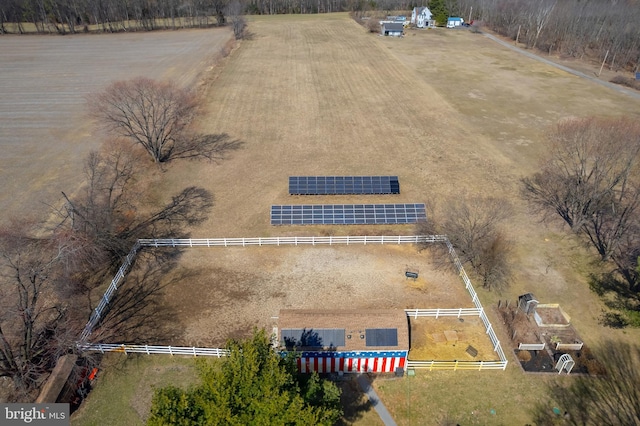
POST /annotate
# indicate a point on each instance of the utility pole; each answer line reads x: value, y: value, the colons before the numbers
x: 471, y: 10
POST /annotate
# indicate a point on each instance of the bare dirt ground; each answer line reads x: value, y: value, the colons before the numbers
x: 44, y: 133
x: 232, y: 290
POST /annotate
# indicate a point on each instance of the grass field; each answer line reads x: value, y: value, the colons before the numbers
x: 449, y: 112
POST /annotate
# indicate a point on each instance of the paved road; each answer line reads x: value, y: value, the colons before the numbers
x: 382, y: 411
x: 616, y: 87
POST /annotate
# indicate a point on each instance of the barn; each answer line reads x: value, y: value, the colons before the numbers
x: 392, y: 29
x: 339, y: 341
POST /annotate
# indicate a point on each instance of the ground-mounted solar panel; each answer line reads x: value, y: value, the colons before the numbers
x: 333, y: 185
x: 381, y: 336
x: 347, y: 214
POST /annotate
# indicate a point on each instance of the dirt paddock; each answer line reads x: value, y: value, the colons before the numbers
x: 230, y: 290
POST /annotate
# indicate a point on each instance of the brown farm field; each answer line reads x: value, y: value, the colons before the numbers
x: 449, y: 112
x: 44, y: 82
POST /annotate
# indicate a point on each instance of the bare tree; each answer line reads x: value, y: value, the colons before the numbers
x: 150, y: 113
x: 235, y: 14
x: 472, y: 224
x: 30, y: 311
x: 590, y: 178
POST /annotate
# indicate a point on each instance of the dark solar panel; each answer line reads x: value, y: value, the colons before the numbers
x: 348, y: 214
x: 381, y: 336
x: 324, y: 185
x: 313, y: 337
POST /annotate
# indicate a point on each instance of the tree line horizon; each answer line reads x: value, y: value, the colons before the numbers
x: 603, y: 30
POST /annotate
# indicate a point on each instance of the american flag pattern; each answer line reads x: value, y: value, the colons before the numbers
x: 352, y: 362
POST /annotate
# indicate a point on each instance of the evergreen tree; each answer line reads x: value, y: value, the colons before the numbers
x: 252, y: 386
x: 439, y: 11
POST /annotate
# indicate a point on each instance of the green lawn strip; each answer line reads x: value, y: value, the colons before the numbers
x: 464, y: 397
x: 124, y: 388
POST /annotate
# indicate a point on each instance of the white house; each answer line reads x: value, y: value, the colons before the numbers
x: 421, y: 17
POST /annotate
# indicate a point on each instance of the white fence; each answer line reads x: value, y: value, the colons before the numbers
x: 457, y: 365
x: 296, y: 241
x: 459, y: 312
x: 149, y: 350
x: 569, y: 346
x: 531, y: 346
x: 278, y: 241
x: 97, y: 313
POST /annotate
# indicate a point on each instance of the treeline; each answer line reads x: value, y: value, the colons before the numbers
x: 607, y: 30
x: 72, y: 16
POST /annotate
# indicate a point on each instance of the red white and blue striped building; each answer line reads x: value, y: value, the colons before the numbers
x: 332, y: 341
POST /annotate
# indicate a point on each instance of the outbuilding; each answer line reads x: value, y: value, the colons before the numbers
x: 395, y: 29
x: 454, y: 21
x: 345, y: 341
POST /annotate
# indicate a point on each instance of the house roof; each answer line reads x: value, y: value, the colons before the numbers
x: 454, y: 18
x: 344, y: 330
x: 393, y: 26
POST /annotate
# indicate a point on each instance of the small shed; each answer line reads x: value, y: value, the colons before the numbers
x: 421, y: 17
x: 454, y: 21
x: 345, y: 341
x: 527, y: 303
x: 395, y: 29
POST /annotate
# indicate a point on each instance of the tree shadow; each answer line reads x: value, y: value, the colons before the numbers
x: 353, y: 399
x: 213, y: 147
x: 307, y: 340
x: 609, y: 399
x: 136, y: 314
x: 616, y: 295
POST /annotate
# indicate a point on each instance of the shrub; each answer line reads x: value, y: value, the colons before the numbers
x: 626, y: 81
x: 524, y: 356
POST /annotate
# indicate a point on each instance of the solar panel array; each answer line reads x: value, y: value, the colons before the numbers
x: 382, y: 336
x: 313, y: 337
x: 323, y: 185
x: 347, y: 214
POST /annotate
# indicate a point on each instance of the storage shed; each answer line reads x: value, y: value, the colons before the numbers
x: 333, y: 341
x: 392, y: 29
x: 527, y: 303
x: 454, y: 21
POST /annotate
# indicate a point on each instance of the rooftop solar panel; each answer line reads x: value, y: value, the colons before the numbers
x: 381, y: 336
x: 347, y: 214
x: 325, y: 185
x: 313, y: 337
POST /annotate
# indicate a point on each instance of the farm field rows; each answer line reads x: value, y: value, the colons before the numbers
x: 449, y: 112
x: 44, y: 81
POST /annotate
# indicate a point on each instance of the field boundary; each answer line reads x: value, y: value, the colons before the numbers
x: 84, y: 345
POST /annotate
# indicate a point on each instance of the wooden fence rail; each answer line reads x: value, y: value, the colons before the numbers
x: 281, y: 241
x: 457, y: 365
x: 151, y: 349
x: 415, y: 313
x: 531, y: 346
